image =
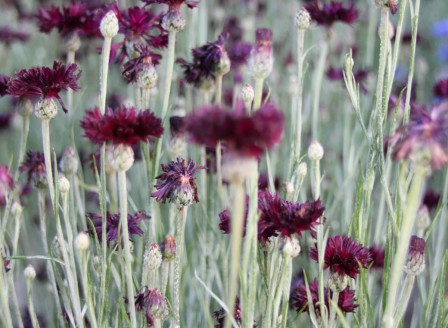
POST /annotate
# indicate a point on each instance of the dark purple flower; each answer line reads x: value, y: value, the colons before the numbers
x: 426, y: 133
x: 344, y: 256
x: 6, y: 184
x: 4, y: 79
x: 34, y: 167
x: 246, y: 135
x: 225, y: 220
x: 174, y: 5
x: 145, y: 57
x: 220, y: 315
x: 113, y: 221
x: 299, y: 299
x: 415, y: 262
x: 431, y: 199
x: 44, y: 81
x: 76, y: 18
x: 239, y: 53
x: 177, y: 126
x: 177, y: 183
x: 123, y: 125
x: 8, y: 36
x: 441, y: 89
x: 377, y: 254
x: 152, y: 303
x: 5, y: 120
x: 332, y: 12
x: 263, y: 182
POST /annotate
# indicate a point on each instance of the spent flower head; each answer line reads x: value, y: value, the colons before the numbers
x: 34, y: 167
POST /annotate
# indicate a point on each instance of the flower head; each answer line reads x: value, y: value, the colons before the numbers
x: 282, y: 217
x: 424, y: 137
x: 44, y: 81
x: 8, y: 36
x: 113, y: 221
x: 146, y: 57
x: 332, y: 12
x: 6, y: 184
x: 441, y: 89
x: 415, y: 262
x: 245, y: 135
x: 174, y: 4
x: 76, y: 18
x: 225, y: 220
x: 152, y: 303
x: 344, y: 256
x: 34, y: 167
x: 261, y: 59
x: 4, y: 79
x: 123, y: 125
x: 377, y: 254
x: 177, y: 183
x: 431, y: 199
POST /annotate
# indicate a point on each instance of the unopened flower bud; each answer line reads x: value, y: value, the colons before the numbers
x: 415, y: 262
x: 120, y: 157
x: 109, y: 25
x: 82, y: 242
x: 46, y: 109
x: 173, y: 21
x: 29, y: 272
x: 303, y: 19
x: 169, y: 248
x: 261, y: 59
x: 147, y: 77
x: 152, y: 259
x: 16, y: 209
x: 289, y: 188
x: 423, y: 219
x: 337, y: 282
x: 223, y: 66
x: 63, y: 184
x: 157, y: 305
x: 290, y: 246
x: 247, y: 93
x: 69, y: 162
x: 302, y: 170
x: 25, y: 107
x: 72, y: 42
x: 315, y: 151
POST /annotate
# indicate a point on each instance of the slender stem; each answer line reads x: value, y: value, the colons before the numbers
x: 87, y: 289
x: 318, y: 77
x: 169, y: 72
x: 398, y: 261
x: 6, y: 313
x: 180, y: 231
x: 70, y: 60
x: 127, y: 247
x: 113, y: 192
x: 404, y: 298
x: 31, y: 310
x: 286, y: 295
x: 165, y: 275
x: 298, y: 141
x: 278, y: 261
x: 47, y: 156
x: 236, y: 241
x: 104, y: 73
x: 23, y: 140
x: 218, y: 96
x: 258, y: 93
x: 278, y: 295
x: 333, y: 312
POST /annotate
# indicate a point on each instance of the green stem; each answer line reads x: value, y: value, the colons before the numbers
x: 123, y: 192
x: 333, y: 312
x: 181, y: 220
x: 218, y: 97
x: 31, y: 310
x: 169, y: 72
x: 300, y: 58
x: 286, y: 295
x: 283, y: 274
x: 6, y: 313
x: 404, y: 298
x: 318, y: 77
x: 87, y: 289
x: 23, y: 140
x: 70, y: 60
x: 272, y: 288
x: 258, y: 93
x: 398, y: 260
x: 47, y: 156
x: 104, y: 73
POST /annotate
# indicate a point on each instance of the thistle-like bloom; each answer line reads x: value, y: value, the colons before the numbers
x: 8, y: 36
x: 299, y: 300
x: 6, y: 184
x: 332, y: 12
x: 152, y: 303
x: 44, y: 81
x: 220, y: 315
x: 177, y: 183
x: 123, y: 125
x: 34, y: 167
x: 145, y: 58
x: 425, y: 137
x: 441, y: 89
x: 76, y: 18
x: 415, y: 262
x: 344, y: 256
x: 261, y: 59
x: 113, y: 221
x: 377, y: 254
x: 242, y: 134
x: 282, y: 217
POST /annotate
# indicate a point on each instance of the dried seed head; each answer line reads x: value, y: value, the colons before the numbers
x: 152, y: 259
x: 169, y: 248
x: 82, y: 242
x: 247, y: 93
x: 29, y: 272
x: 69, y: 162
x: 315, y: 151
x: 46, y: 109
x: 303, y: 19
x: 120, y: 157
x: 415, y: 263
x: 109, y: 25
x: 261, y: 59
x: 147, y: 77
x: 290, y: 246
x: 337, y: 282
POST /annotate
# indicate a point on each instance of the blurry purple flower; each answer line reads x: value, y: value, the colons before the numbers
x: 441, y: 89
x: 34, y: 167
x: 5, y: 120
x: 440, y: 28
x: 113, y: 221
x: 123, y: 125
x: 6, y: 264
x: 344, y: 256
x: 431, y: 199
x: 332, y: 12
x: 174, y: 5
x: 377, y: 254
x: 335, y: 74
x: 4, y: 79
x: 415, y: 262
x: 145, y: 57
x: 44, y: 81
x: 152, y: 303
x: 239, y: 53
x: 6, y: 184
x: 225, y: 220
x: 263, y: 182
x: 8, y: 36
x: 220, y: 315
x: 177, y: 126
x: 177, y: 183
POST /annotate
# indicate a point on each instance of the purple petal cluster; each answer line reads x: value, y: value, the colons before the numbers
x: 34, y: 167
x: 243, y: 134
x: 332, y: 12
x: 174, y: 5
x: 145, y: 56
x: 46, y: 82
x: 4, y: 80
x: 377, y: 253
x: 441, y: 89
x: 8, y: 36
x: 123, y: 125
x: 113, y: 222
x: 152, y: 303
x: 344, y: 256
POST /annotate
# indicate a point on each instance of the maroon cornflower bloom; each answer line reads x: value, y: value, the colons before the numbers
x: 177, y: 126
x: 344, y: 256
x: 220, y: 315
x: 44, y: 81
x: 5, y: 120
x: 431, y: 199
x: 225, y: 220
x: 299, y: 299
x: 4, y: 79
x: 113, y: 221
x: 239, y: 53
x: 177, y: 183
x: 426, y: 133
x: 6, y: 183
x: 145, y: 57
x: 377, y: 254
x: 332, y: 12
x: 34, y: 167
x: 8, y: 36
x: 76, y: 18
x: 441, y: 89
x: 123, y: 125
x: 282, y: 217
x: 415, y: 262
x: 245, y: 135
x: 174, y: 4
x: 153, y: 303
